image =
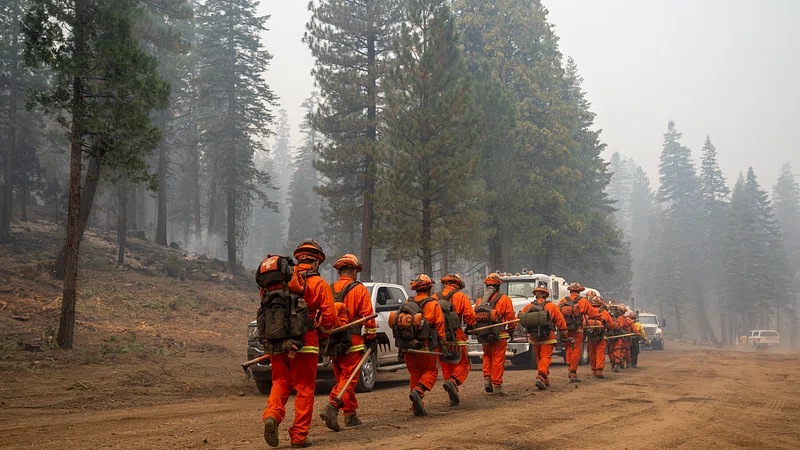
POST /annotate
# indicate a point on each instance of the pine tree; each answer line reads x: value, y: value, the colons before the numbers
x: 740, y: 291
x: 679, y: 239
x: 786, y: 195
x: 619, y: 190
x: 429, y: 190
x: 102, y: 81
x: 304, y: 219
x: 280, y: 165
x: 231, y: 63
x: 351, y: 41
x: 641, y: 205
x: 713, y: 204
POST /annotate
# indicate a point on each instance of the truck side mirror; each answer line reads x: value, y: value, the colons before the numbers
x: 663, y: 323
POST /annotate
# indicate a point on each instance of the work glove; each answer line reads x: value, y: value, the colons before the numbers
x: 371, y: 342
x: 469, y: 329
x: 564, y: 336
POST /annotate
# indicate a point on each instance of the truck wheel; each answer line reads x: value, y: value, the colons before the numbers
x: 366, y: 379
x: 657, y: 345
x: 264, y: 385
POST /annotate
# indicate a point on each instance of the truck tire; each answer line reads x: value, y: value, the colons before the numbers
x: 657, y: 345
x: 368, y: 375
x: 264, y: 385
x: 526, y: 360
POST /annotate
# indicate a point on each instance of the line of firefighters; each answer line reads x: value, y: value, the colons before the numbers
x: 428, y: 331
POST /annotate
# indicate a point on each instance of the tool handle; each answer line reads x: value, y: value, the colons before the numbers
x: 493, y: 326
x: 421, y: 352
x: 351, y: 324
x: 356, y: 371
x: 247, y: 364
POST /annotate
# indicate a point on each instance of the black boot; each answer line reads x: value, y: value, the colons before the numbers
x: 352, y: 421
x: 452, y: 392
x: 540, y: 384
x: 304, y: 444
x: 416, y: 404
x: 487, y: 385
x: 330, y: 415
x: 271, y: 432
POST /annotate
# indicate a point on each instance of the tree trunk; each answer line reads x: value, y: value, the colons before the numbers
x: 90, y: 188
x: 398, y: 272
x: 161, y: 219
x: 677, y: 311
x: 231, y: 241
x: 369, y: 179
x: 23, y: 201
x: 427, y: 257
x: 122, y: 220
x: 445, y: 261
x: 723, y: 326
x: 66, y: 326
x: 705, y: 325
x: 8, y: 187
x: 495, y: 244
x: 195, y: 177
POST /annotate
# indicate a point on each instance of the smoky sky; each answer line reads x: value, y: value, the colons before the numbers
x: 724, y: 68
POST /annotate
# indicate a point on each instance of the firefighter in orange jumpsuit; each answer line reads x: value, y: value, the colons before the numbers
x: 616, y: 345
x: 298, y: 371
x: 455, y: 374
x: 494, y: 353
x: 357, y: 303
x: 580, y: 310
x: 597, y: 340
x: 628, y: 341
x: 543, y: 346
x: 422, y: 367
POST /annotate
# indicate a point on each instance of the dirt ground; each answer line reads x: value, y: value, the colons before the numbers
x: 159, y: 342
x: 683, y: 397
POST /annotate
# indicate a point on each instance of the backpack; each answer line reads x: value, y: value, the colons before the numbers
x: 537, y: 321
x: 339, y: 343
x: 282, y: 318
x: 485, y: 315
x: 571, y: 314
x: 452, y: 321
x: 411, y: 328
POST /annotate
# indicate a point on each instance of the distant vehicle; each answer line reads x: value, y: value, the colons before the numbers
x: 761, y: 339
x: 653, y: 330
x: 519, y: 287
x: 385, y: 299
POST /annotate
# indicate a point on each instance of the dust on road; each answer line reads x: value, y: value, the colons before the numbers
x: 683, y: 397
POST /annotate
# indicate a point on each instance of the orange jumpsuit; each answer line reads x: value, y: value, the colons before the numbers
x: 543, y: 348
x: 597, y: 348
x: 617, y: 346
x: 494, y: 353
x: 627, y: 342
x: 357, y: 304
x: 461, y: 305
x: 585, y: 309
x: 422, y: 368
x: 300, y: 373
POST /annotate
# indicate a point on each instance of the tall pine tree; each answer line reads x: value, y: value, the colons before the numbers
x: 429, y: 190
x: 351, y: 41
x: 786, y: 195
x: 231, y: 64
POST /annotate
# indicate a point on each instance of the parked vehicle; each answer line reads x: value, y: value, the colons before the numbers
x: 653, y: 330
x: 761, y: 339
x: 519, y: 287
x: 385, y: 299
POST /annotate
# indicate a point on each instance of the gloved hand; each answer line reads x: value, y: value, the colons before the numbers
x: 371, y: 342
x: 469, y: 329
x: 564, y: 336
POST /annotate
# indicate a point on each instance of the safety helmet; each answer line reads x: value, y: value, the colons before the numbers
x: 309, y: 249
x: 453, y: 278
x: 348, y: 260
x: 543, y: 290
x: 596, y: 301
x: 493, y: 279
x: 633, y: 316
x: 575, y: 287
x: 590, y: 293
x: 421, y: 283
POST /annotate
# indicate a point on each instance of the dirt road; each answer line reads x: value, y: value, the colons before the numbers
x: 683, y: 397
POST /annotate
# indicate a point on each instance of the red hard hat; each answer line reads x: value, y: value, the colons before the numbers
x: 422, y: 283
x: 348, y: 260
x: 493, y: 279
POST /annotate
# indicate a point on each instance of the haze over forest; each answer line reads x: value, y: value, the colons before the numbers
x: 431, y: 136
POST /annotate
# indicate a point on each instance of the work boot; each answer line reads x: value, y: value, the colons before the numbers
x: 575, y: 380
x: 498, y: 390
x: 635, y: 366
x: 599, y: 375
x: 416, y: 404
x: 487, y: 385
x: 547, y: 382
x: 540, y: 384
x: 304, y: 444
x: 352, y: 421
x: 452, y: 392
x: 271, y: 432
x: 615, y: 369
x: 627, y: 365
x: 330, y: 415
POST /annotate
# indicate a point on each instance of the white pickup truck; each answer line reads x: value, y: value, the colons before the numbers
x: 761, y: 339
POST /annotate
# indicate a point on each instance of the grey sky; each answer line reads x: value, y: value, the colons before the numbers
x: 726, y: 68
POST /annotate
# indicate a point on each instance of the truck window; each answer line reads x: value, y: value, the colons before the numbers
x: 769, y: 334
x: 555, y: 294
x: 386, y: 301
